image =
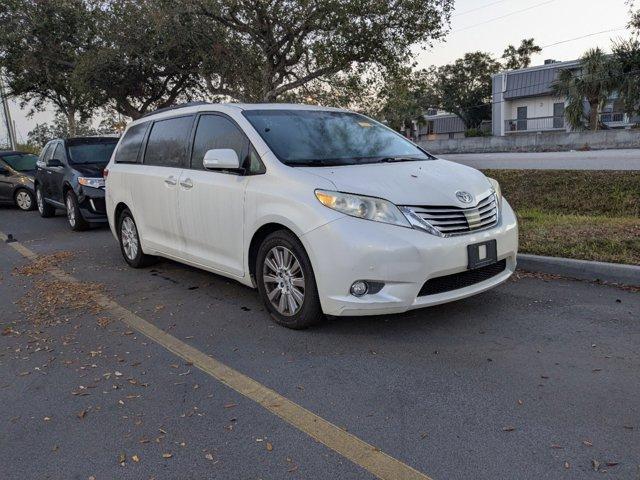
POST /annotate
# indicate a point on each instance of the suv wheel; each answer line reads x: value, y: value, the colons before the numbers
x: 44, y: 208
x: 74, y: 216
x: 286, y: 282
x: 130, y: 242
x: 24, y: 199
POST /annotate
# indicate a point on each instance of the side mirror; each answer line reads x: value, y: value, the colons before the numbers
x: 221, y: 159
x: 54, y: 162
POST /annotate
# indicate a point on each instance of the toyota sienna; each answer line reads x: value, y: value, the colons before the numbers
x: 323, y: 210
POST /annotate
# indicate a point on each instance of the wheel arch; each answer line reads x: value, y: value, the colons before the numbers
x: 120, y: 207
x: 256, y: 240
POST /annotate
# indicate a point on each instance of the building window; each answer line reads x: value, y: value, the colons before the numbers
x: 452, y: 135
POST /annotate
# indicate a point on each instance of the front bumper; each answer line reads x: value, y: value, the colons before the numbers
x: 92, y: 204
x: 350, y: 249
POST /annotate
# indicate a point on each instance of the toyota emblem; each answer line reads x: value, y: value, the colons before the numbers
x: 464, y: 197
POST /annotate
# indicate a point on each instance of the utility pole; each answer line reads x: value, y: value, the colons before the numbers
x: 9, y: 126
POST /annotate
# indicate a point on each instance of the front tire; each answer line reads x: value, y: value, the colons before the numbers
x: 286, y: 281
x: 44, y: 208
x: 130, y: 246
x: 24, y: 199
x: 74, y: 216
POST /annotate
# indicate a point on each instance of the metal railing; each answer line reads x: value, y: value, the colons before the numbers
x: 538, y: 124
x: 612, y: 117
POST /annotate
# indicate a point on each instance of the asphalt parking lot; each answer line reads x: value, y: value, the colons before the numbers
x: 537, y: 379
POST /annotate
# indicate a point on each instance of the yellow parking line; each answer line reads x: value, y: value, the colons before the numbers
x: 349, y: 446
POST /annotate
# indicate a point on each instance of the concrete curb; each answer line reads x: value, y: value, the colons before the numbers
x: 581, y: 269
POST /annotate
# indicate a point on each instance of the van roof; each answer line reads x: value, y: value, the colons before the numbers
x: 205, y: 106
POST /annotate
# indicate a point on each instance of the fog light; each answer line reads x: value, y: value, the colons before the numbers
x: 359, y: 288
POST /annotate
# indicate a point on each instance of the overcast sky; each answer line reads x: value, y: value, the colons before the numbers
x: 491, y: 25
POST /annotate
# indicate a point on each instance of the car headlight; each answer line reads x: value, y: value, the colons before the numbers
x: 496, y: 188
x: 369, y: 208
x: 91, y: 182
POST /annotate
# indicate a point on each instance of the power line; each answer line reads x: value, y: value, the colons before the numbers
x: 504, y: 16
x: 583, y: 36
x: 477, y: 8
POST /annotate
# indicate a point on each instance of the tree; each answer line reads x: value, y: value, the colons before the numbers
x: 150, y: 54
x: 465, y: 87
x: 406, y: 95
x: 634, y: 16
x: 41, y: 44
x: 626, y: 76
x: 276, y: 47
x: 593, y: 83
x: 59, y: 128
x: 520, y: 57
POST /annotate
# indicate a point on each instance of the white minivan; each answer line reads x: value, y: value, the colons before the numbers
x: 324, y: 210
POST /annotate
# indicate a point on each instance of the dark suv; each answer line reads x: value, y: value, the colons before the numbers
x: 69, y: 177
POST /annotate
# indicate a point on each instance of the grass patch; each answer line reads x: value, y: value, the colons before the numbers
x: 576, y: 214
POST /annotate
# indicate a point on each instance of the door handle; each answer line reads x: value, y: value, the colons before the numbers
x: 186, y: 183
x: 171, y: 180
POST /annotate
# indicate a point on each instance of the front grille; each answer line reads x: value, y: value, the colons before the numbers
x: 461, y: 280
x: 456, y: 220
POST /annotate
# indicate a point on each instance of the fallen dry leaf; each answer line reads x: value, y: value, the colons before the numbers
x: 135, y: 458
x: 508, y: 428
x: 167, y: 455
x: 122, y: 458
x: 269, y: 447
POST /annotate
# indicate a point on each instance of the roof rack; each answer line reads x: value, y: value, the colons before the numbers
x: 174, y: 107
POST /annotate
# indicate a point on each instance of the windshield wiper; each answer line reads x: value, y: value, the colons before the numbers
x: 310, y: 163
x: 398, y: 159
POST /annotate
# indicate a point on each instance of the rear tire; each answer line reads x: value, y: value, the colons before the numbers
x: 44, y: 208
x: 129, y: 239
x: 74, y: 216
x: 24, y: 199
x: 286, y: 282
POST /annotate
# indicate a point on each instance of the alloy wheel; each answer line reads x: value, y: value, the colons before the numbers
x: 23, y: 199
x: 39, y: 200
x: 71, y: 211
x: 284, y: 280
x: 129, y: 237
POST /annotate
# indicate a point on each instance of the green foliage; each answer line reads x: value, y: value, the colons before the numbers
x: 465, y: 87
x: 59, y: 128
x: 626, y: 76
x: 41, y: 43
x: 149, y: 54
x: 594, y: 82
x: 476, y: 132
x: 520, y: 57
x: 278, y: 47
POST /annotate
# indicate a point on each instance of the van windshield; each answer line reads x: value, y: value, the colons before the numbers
x: 327, y: 138
x: 91, y: 151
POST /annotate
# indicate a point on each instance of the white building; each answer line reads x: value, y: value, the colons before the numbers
x: 523, y: 102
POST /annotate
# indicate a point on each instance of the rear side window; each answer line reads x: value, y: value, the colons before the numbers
x: 130, y: 144
x: 169, y: 142
x: 213, y: 132
x: 47, y: 152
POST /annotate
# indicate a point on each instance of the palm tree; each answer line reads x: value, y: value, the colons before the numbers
x: 593, y: 83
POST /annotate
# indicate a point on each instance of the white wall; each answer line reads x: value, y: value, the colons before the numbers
x: 536, y: 106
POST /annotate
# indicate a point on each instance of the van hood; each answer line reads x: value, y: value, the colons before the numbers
x: 429, y: 182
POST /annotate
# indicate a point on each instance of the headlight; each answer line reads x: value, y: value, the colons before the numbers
x: 497, y: 190
x: 91, y: 182
x: 369, y: 208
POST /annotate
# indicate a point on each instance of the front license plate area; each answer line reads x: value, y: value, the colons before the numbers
x: 482, y: 254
